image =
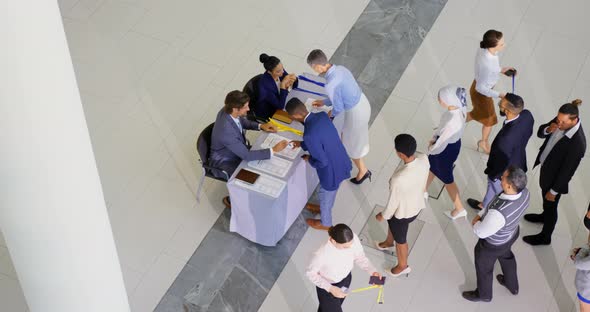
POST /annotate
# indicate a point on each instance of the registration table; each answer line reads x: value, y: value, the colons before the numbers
x: 264, y: 218
x: 263, y: 212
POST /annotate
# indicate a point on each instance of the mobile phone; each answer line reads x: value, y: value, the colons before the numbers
x: 375, y: 280
x: 344, y: 289
x: 510, y: 72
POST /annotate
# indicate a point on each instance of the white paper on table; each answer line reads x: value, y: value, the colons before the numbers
x: 274, y: 165
x: 265, y: 184
x: 272, y: 139
x: 313, y: 109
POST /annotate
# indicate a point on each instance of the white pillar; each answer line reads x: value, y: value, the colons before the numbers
x: 52, y: 211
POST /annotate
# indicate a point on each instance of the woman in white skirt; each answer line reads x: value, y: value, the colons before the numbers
x: 350, y: 108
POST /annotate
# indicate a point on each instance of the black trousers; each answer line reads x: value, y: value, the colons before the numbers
x: 329, y: 303
x: 486, y: 255
x: 549, y: 214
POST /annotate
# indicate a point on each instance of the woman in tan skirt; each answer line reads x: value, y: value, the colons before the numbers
x: 487, y: 73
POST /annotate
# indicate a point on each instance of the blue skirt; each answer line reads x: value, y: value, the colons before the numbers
x: 441, y: 165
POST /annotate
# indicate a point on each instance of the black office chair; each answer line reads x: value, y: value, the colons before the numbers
x: 203, y: 149
x: 251, y: 88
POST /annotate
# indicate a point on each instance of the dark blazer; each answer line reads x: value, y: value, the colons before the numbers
x: 327, y: 154
x: 269, y: 99
x: 228, y: 144
x: 509, y: 146
x: 560, y: 165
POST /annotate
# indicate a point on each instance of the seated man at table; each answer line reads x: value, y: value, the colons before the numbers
x: 326, y: 154
x: 228, y: 140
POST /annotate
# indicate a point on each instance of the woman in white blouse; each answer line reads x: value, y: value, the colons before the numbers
x: 487, y: 74
x: 445, y: 145
x: 331, y: 265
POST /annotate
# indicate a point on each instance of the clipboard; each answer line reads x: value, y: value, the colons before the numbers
x: 282, y: 116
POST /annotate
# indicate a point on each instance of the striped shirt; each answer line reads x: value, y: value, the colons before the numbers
x: 499, y: 221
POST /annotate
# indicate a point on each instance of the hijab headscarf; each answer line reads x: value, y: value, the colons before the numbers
x: 454, y: 96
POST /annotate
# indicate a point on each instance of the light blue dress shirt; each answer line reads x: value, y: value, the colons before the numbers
x: 343, y: 91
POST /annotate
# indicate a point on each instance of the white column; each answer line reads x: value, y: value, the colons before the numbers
x: 52, y: 211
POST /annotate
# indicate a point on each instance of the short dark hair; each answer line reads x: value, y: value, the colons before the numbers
x: 317, y: 57
x: 517, y: 178
x: 515, y: 101
x: 235, y: 99
x: 490, y: 39
x: 571, y: 109
x: 341, y: 233
x: 269, y: 62
x: 405, y: 144
x: 295, y: 106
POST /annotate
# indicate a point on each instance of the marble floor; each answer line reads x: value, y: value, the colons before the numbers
x: 152, y: 73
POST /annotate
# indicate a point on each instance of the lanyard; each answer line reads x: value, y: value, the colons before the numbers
x: 379, y: 296
x: 513, y: 84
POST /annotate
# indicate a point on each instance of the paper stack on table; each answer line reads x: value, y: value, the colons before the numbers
x: 274, y: 165
x: 265, y: 184
x: 272, y: 139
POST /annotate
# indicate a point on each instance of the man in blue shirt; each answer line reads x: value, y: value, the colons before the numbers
x: 350, y: 108
x: 326, y: 154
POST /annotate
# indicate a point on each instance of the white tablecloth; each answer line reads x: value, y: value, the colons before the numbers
x: 263, y: 219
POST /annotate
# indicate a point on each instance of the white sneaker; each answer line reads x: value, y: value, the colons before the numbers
x: 462, y: 214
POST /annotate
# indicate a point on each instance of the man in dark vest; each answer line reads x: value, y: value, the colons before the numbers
x: 496, y: 225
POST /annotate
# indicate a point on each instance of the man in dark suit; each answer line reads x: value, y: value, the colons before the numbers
x: 228, y: 140
x: 326, y: 154
x: 509, y: 146
x: 559, y: 157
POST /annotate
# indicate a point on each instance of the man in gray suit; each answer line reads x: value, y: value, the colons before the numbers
x: 228, y: 140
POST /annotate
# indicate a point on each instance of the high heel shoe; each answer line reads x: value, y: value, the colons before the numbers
x: 367, y: 175
x: 462, y: 214
x: 382, y: 248
x: 484, y: 149
x: 406, y: 271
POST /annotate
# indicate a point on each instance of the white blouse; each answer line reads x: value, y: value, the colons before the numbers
x: 487, y: 73
x: 331, y: 265
x: 450, y: 130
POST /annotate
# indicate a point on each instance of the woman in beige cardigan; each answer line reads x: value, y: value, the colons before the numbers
x: 406, y: 200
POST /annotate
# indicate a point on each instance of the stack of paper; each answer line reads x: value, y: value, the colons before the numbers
x: 265, y: 184
x: 314, y: 109
x: 273, y: 138
x: 274, y: 165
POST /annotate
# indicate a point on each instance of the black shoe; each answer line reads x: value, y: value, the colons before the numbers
x: 500, y: 279
x: 368, y: 175
x: 534, y: 217
x: 227, y: 202
x: 536, y: 240
x: 473, y: 203
x: 474, y: 296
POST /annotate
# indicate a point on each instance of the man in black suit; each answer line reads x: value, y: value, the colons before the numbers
x: 559, y: 156
x: 509, y: 146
